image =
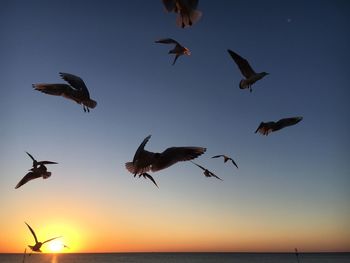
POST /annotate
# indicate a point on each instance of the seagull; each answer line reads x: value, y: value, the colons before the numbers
x: 186, y: 10
x: 250, y: 75
x: 206, y: 172
x: 36, y: 163
x: 38, y: 244
x: 35, y: 171
x: 145, y: 161
x: 267, y: 127
x: 226, y: 158
x: 76, y: 90
x: 178, y: 50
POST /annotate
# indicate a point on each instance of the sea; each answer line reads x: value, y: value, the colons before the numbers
x: 178, y: 257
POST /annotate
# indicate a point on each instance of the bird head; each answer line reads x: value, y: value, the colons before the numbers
x: 187, y: 51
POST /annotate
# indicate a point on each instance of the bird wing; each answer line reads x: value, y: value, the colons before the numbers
x: 214, y: 175
x: 31, y: 156
x: 146, y: 175
x: 173, y: 155
x: 76, y: 82
x: 217, y: 156
x: 63, y: 90
x: 242, y: 64
x: 167, y: 41
x: 199, y: 166
x: 234, y: 163
x: 266, y: 127
x: 50, y: 239
x: 33, y: 233
x: 141, y: 147
x: 282, y: 123
x: 169, y: 5
x: 46, y: 162
x: 29, y: 176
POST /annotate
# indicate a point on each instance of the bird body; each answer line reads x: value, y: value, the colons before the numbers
x: 247, y: 71
x: 76, y: 90
x: 178, y: 49
x: 206, y: 172
x: 187, y: 13
x: 226, y: 158
x: 265, y: 128
x: 145, y: 161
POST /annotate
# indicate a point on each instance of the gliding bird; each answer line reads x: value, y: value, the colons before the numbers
x: 38, y: 244
x: 178, y: 50
x: 206, y: 172
x: 250, y: 75
x: 226, y: 158
x: 35, y: 171
x: 267, y: 127
x: 76, y: 90
x: 145, y: 161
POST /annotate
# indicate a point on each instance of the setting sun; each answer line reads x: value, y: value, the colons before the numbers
x: 56, y: 245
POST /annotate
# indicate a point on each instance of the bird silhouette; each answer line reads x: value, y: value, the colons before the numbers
x: 247, y: 71
x: 186, y: 10
x: 265, y: 128
x: 145, y: 161
x: 38, y: 170
x: 206, y: 172
x: 226, y: 158
x: 76, y: 90
x: 37, y: 246
x: 178, y: 50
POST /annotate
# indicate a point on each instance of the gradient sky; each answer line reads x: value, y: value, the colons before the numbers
x: 291, y: 188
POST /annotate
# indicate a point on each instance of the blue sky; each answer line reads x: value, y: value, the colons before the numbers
x: 299, y: 175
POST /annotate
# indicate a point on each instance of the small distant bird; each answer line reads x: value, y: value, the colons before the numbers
x: 206, y: 172
x: 267, y: 127
x: 178, y: 50
x: 186, y: 10
x: 35, y: 171
x: 145, y: 161
x: 250, y: 75
x: 76, y: 90
x: 226, y: 158
x: 37, y: 246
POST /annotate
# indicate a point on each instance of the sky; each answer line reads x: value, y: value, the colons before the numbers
x: 291, y: 188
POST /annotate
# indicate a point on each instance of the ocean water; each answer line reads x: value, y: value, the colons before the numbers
x: 178, y: 257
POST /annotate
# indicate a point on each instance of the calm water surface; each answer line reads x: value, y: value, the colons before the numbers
x: 179, y: 257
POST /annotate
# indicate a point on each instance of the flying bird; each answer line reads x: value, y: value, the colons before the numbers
x: 37, y: 246
x: 206, y: 172
x: 178, y: 50
x: 187, y: 13
x: 76, y: 90
x: 226, y: 158
x: 35, y: 171
x: 145, y: 161
x: 267, y: 127
x: 247, y: 71
x: 36, y: 163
